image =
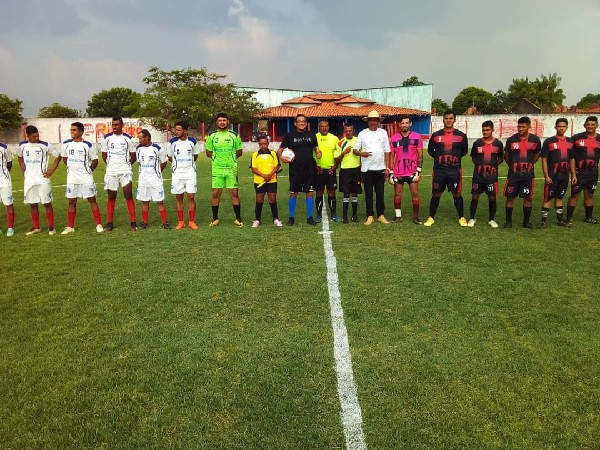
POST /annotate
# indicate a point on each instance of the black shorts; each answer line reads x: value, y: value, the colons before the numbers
x: 401, y: 180
x: 481, y: 187
x: 267, y: 188
x: 587, y: 182
x: 350, y: 181
x: 326, y: 180
x: 518, y: 187
x: 302, y: 182
x: 557, y: 189
x: 446, y: 179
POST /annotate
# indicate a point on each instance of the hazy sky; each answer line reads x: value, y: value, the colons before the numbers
x: 66, y: 50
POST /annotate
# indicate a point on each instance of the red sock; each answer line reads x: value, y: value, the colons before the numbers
x: 131, y: 209
x: 71, y: 219
x: 180, y: 215
x: 96, y: 214
x: 110, y: 210
x: 50, y: 217
x: 163, y: 216
x: 10, y: 217
x: 192, y: 214
x: 415, y: 204
x: 397, y: 203
x: 35, y: 219
x: 144, y: 216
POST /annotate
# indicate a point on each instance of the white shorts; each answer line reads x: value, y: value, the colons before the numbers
x: 6, y: 195
x: 180, y: 185
x: 150, y: 193
x: 39, y: 193
x: 81, y: 190
x: 112, y: 182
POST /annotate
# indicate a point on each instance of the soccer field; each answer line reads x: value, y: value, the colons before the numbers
x: 222, y: 338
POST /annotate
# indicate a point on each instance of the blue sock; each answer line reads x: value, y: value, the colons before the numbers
x: 292, y: 207
x: 310, y: 204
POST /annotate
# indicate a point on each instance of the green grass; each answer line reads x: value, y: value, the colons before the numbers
x: 221, y: 338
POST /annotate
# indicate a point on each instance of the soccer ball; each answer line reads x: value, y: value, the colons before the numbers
x: 287, y: 155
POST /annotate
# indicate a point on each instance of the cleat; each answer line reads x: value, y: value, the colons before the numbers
x: 238, y: 223
x: 492, y: 223
x: 180, y: 225
x: 345, y: 219
x: 99, y: 228
x: 214, y: 223
x: 166, y: 226
x: 10, y: 232
x: 144, y: 226
x: 429, y: 222
x: 369, y: 220
x: 51, y: 231
x: 256, y: 224
x: 382, y: 219
x: 109, y: 227
x: 463, y: 222
x: 569, y: 223
x: 543, y: 225
x: 471, y: 223
x: 561, y: 223
x: 416, y: 221
x: 319, y: 219
x: 528, y: 225
x: 32, y: 231
x: 335, y: 218
x: 591, y: 220
x: 397, y: 219
x: 277, y: 223
x: 507, y: 225
x: 291, y: 222
x: 354, y: 218
x: 68, y: 230
x: 134, y: 229
x: 192, y: 225
x: 311, y: 221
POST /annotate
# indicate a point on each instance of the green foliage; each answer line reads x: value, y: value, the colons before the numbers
x: 496, y: 104
x: 57, y: 110
x: 115, y: 102
x: 543, y: 92
x: 588, y: 101
x: 11, y: 112
x: 413, y: 81
x: 439, y: 106
x: 195, y: 95
x: 471, y: 96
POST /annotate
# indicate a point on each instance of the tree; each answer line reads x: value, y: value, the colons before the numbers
x: 588, y: 101
x: 195, y: 95
x: 57, y: 110
x: 543, y: 92
x: 471, y: 96
x: 413, y: 81
x: 11, y: 112
x: 439, y: 106
x: 115, y: 102
x: 496, y: 104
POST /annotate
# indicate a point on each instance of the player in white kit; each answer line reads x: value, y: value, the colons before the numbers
x: 6, y: 195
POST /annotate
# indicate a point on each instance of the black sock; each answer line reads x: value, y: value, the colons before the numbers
x: 433, y: 206
x: 236, y: 210
x: 588, y: 211
x: 274, y: 210
x: 258, y: 211
x: 526, y: 214
x: 460, y: 208
x: 319, y: 205
x: 570, y: 211
x: 332, y: 204
x: 215, y: 210
x: 508, y: 210
x: 545, y: 212
x: 559, y: 214
x: 354, y: 206
x: 473, y: 208
x: 492, y: 209
x: 345, y: 204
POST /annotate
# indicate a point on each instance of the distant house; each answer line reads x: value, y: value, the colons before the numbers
x: 524, y: 106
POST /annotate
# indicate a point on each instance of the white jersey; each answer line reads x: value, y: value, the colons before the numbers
x: 36, y: 158
x: 5, y: 157
x: 150, y: 159
x: 182, y: 154
x: 376, y: 143
x: 117, y: 148
x: 79, y: 157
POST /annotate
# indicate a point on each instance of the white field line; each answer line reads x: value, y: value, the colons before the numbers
x: 350, y: 413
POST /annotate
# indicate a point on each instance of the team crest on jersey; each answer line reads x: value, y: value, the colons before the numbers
x: 439, y: 139
x: 581, y: 143
x: 479, y: 149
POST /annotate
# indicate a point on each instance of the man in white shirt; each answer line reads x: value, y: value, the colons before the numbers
x: 33, y: 158
x: 81, y: 159
x: 6, y: 194
x: 118, y: 152
x: 373, y: 147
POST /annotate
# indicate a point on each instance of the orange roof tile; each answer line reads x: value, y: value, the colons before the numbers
x: 330, y: 109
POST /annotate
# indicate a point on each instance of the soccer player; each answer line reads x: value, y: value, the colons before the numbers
x: 584, y: 163
x: 302, y: 166
x: 183, y: 151
x: 407, y: 164
x: 224, y: 147
x: 326, y: 177
x: 487, y: 154
x: 373, y: 147
x: 81, y: 159
x: 152, y: 160
x: 265, y: 165
x: 6, y: 194
x: 33, y: 158
x: 521, y: 152
x: 556, y: 166
x: 118, y: 152
x: 349, y: 164
x: 447, y: 146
